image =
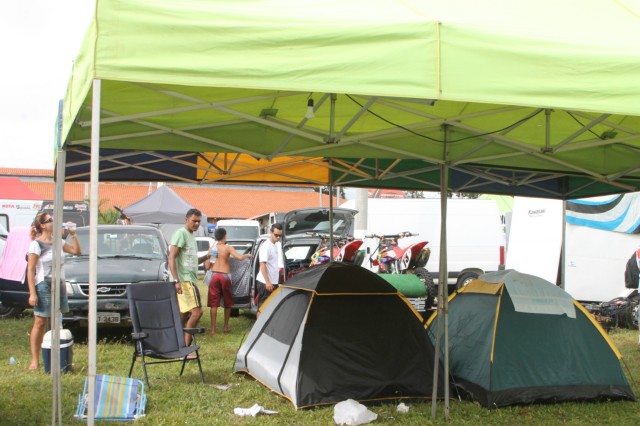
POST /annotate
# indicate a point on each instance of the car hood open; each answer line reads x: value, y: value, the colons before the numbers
x: 301, y: 221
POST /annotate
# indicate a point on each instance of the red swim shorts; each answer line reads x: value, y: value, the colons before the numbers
x: 220, y: 287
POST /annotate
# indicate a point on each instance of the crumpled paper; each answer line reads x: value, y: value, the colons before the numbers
x: 352, y: 413
x: 253, y: 411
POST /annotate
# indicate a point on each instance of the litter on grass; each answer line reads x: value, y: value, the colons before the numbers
x: 221, y: 387
x: 253, y: 411
x: 352, y: 413
x: 402, y: 408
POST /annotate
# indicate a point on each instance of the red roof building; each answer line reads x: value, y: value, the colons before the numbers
x: 223, y: 201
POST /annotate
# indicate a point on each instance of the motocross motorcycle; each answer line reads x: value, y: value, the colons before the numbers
x: 389, y: 258
x: 344, y: 250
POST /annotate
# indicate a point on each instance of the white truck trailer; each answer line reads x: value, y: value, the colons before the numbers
x: 600, y: 235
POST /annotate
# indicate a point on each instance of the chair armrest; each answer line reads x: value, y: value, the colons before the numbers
x: 193, y: 331
x: 139, y: 336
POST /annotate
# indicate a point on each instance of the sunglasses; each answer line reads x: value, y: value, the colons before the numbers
x: 277, y: 235
x: 47, y: 221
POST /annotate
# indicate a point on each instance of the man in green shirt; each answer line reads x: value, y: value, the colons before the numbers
x: 183, y: 267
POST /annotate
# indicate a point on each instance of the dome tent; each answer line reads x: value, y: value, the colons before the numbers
x: 336, y: 332
x: 517, y: 339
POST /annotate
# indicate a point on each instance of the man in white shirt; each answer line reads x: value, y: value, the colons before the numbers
x: 267, y: 279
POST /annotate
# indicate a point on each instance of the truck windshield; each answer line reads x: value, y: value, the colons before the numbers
x: 241, y: 232
x: 125, y: 243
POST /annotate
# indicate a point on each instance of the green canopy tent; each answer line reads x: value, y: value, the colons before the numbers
x: 513, y: 99
x: 528, y: 98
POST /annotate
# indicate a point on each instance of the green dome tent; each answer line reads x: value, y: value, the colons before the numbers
x: 337, y: 332
x: 517, y: 339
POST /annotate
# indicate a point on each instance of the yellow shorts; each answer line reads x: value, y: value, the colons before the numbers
x: 189, y: 298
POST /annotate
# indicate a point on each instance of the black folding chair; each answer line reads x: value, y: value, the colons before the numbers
x: 157, y: 329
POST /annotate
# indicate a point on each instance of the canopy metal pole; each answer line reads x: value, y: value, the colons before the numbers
x: 442, y: 320
x: 330, y: 220
x: 332, y: 123
x: 54, y: 320
x: 563, y: 247
x: 443, y: 281
x: 93, y: 246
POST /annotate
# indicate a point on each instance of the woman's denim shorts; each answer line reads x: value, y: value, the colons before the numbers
x: 43, y: 309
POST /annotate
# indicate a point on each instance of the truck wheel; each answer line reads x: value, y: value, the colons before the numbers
x: 234, y: 313
x: 426, y: 279
x: 9, y: 311
x: 465, y: 279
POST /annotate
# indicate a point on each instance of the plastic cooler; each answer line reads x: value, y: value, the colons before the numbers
x: 407, y: 284
x: 66, y: 351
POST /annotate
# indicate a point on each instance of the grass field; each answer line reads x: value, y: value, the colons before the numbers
x: 25, y: 397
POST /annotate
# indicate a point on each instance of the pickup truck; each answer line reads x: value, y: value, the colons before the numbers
x: 127, y: 254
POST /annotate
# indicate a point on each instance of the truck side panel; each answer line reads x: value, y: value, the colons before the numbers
x: 595, y: 262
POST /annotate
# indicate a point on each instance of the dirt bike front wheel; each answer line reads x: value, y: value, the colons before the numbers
x: 429, y: 286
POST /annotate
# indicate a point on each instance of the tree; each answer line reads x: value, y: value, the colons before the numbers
x: 106, y: 215
x: 462, y: 195
x: 414, y: 194
x: 325, y: 190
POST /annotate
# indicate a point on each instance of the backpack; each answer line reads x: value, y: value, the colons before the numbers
x: 631, y: 272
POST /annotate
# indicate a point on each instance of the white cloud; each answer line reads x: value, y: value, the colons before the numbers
x: 40, y: 39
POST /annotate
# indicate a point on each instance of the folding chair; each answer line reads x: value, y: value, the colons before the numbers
x: 157, y: 329
x: 115, y: 398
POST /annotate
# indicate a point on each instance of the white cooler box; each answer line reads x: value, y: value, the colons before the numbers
x: 66, y: 351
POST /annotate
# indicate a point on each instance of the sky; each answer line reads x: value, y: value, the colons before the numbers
x: 39, y: 40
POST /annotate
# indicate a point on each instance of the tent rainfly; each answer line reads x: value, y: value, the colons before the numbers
x: 517, y: 339
x: 336, y: 332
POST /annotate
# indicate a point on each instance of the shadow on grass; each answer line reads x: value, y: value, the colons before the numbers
x: 110, y: 334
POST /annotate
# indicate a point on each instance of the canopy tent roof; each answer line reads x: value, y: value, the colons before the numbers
x: 526, y: 98
x: 163, y: 205
x: 12, y: 188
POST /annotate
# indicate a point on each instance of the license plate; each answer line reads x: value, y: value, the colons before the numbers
x: 418, y: 303
x: 109, y: 317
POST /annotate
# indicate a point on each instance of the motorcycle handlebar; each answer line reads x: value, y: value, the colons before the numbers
x: 336, y: 240
x: 391, y: 236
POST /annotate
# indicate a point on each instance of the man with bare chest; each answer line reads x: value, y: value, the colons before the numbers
x: 220, y: 286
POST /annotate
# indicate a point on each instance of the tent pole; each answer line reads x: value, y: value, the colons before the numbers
x: 332, y: 124
x: 443, y: 300
x: 444, y: 277
x: 54, y: 321
x: 330, y: 219
x: 563, y: 247
x: 93, y: 246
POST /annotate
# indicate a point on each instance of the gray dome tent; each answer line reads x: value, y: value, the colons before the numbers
x: 338, y: 331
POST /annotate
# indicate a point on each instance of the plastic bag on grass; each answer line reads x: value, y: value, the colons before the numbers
x: 351, y: 412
